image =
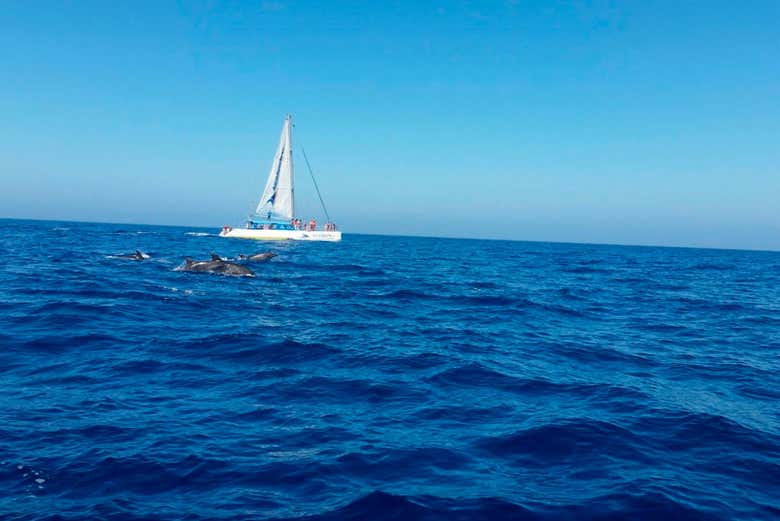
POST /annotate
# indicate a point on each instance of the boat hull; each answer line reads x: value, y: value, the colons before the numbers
x: 281, y: 235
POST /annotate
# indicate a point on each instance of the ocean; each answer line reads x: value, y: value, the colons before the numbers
x: 384, y: 378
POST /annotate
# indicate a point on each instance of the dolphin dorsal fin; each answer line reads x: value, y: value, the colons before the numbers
x: 188, y: 260
x: 215, y: 257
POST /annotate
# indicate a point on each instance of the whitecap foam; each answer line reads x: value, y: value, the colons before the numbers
x: 177, y: 290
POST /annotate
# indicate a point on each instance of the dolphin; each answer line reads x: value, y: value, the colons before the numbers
x: 257, y: 257
x: 137, y: 255
x: 216, y: 265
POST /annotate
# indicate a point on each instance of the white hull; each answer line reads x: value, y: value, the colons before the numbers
x: 281, y: 235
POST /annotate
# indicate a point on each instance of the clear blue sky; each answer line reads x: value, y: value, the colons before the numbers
x: 604, y: 121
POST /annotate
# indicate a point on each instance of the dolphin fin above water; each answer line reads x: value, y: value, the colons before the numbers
x: 136, y: 255
x: 258, y: 257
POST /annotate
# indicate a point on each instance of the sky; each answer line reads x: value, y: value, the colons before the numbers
x: 652, y: 122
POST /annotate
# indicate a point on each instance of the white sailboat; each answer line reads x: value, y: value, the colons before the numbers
x: 274, y: 218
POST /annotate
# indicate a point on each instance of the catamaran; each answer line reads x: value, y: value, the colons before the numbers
x: 274, y: 218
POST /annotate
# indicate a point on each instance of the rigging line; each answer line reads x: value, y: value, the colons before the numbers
x: 316, y: 187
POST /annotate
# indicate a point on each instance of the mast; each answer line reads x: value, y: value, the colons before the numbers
x: 292, y: 171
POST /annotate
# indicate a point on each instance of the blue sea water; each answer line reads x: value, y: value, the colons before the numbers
x: 384, y: 378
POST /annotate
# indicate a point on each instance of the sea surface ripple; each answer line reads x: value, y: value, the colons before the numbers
x: 384, y: 378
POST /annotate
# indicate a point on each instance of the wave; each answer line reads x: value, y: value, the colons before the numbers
x: 684, y: 430
x: 95, y: 433
x: 54, y: 343
x: 356, y: 269
x: 327, y: 389
x: 390, y: 464
x: 601, y: 354
x: 758, y: 391
x: 417, y: 361
x: 463, y: 414
x: 482, y: 284
x: 407, y: 295
x: 475, y: 375
x: 382, y: 506
x: 250, y: 348
x: 586, y: 270
x: 138, y: 474
x: 466, y: 301
x: 708, y: 266
x: 575, y: 441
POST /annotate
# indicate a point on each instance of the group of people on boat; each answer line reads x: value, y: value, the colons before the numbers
x: 296, y: 224
x: 311, y: 226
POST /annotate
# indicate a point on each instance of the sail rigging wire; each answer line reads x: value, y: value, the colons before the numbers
x: 316, y: 187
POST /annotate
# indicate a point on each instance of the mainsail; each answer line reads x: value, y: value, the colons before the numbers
x: 276, y: 202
